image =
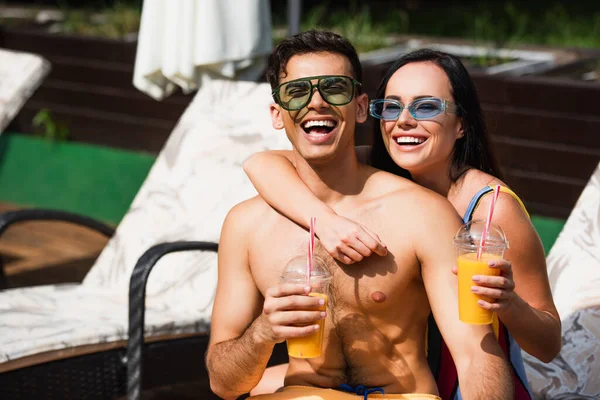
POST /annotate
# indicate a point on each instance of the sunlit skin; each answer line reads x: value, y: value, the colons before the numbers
x: 525, y: 307
x: 366, y: 340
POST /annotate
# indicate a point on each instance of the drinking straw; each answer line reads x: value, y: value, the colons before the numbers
x: 486, y: 227
x: 311, y: 249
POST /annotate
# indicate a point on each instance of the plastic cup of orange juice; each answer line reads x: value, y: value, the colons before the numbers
x: 310, y: 346
x: 472, y: 259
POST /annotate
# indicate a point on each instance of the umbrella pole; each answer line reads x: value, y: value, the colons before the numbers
x: 294, y: 7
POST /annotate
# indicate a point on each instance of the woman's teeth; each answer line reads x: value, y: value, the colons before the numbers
x: 409, y: 140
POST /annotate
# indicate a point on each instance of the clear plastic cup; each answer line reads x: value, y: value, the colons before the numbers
x: 295, y: 272
x: 468, y: 243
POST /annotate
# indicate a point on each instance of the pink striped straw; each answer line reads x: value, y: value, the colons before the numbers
x: 486, y: 227
x: 311, y: 249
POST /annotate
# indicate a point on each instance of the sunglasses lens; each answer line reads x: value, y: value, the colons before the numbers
x: 336, y: 90
x: 294, y: 95
x: 426, y: 108
x: 385, y: 109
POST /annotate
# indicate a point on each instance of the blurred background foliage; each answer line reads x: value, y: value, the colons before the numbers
x: 572, y: 24
x: 378, y: 23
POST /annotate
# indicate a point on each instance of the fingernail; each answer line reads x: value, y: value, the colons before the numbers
x: 323, y: 314
x: 480, y: 302
x: 474, y: 289
x: 492, y: 263
x: 316, y: 327
x: 307, y: 289
x: 476, y: 278
x: 321, y: 301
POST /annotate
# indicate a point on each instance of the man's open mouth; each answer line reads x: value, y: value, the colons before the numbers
x: 319, y: 127
x: 410, y: 140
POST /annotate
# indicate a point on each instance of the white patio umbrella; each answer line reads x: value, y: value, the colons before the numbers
x: 184, y: 42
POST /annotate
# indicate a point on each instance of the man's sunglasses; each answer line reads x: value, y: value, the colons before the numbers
x: 337, y: 90
x: 420, y: 109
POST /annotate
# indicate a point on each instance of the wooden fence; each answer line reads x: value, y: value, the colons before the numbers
x: 545, y: 131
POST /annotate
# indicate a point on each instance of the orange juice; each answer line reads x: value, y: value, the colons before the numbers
x: 468, y: 309
x: 309, y: 346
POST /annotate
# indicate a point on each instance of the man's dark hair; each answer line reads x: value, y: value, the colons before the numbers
x: 473, y: 150
x: 313, y: 41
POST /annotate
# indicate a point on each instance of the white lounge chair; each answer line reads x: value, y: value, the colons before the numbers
x: 574, y: 272
x: 71, y: 339
x: 20, y: 75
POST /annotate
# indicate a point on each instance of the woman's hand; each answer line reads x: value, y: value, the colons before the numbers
x: 499, y: 288
x: 347, y: 241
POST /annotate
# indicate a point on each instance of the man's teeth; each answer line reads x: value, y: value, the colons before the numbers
x: 327, y: 123
x: 408, y: 139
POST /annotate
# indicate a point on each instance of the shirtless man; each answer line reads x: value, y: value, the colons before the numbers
x: 377, y: 315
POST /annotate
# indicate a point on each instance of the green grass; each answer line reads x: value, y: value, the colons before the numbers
x: 96, y: 181
x: 548, y: 229
x: 115, y: 22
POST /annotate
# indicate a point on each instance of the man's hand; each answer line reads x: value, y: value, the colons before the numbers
x: 288, y: 312
x: 347, y: 241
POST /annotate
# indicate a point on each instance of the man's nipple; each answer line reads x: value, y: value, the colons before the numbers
x: 378, y: 297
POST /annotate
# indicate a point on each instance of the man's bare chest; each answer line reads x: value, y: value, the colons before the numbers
x: 376, y: 285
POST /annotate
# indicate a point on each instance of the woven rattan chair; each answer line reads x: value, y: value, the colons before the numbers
x: 84, y: 340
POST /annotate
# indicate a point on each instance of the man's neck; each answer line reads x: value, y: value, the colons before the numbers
x: 333, y: 179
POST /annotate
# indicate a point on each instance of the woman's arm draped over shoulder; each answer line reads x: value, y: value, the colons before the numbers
x: 345, y: 240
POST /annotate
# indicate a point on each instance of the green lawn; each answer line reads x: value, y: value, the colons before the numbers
x: 548, y: 229
x: 96, y: 181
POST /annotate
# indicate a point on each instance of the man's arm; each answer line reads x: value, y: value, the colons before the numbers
x: 244, y: 328
x: 483, y: 372
x: 237, y: 354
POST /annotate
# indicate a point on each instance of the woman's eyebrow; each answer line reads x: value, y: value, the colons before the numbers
x: 398, y: 98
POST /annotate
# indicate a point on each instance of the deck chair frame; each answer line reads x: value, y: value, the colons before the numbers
x: 112, y: 369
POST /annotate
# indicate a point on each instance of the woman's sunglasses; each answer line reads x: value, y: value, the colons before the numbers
x: 420, y: 109
x: 337, y: 90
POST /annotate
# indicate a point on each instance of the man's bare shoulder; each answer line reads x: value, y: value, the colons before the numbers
x: 243, y: 216
x: 382, y: 183
x: 385, y: 184
x: 410, y: 199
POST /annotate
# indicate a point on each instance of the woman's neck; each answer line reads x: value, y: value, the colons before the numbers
x: 436, y: 179
x: 440, y: 182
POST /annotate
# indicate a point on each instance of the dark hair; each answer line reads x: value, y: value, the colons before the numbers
x: 473, y: 149
x: 313, y: 41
